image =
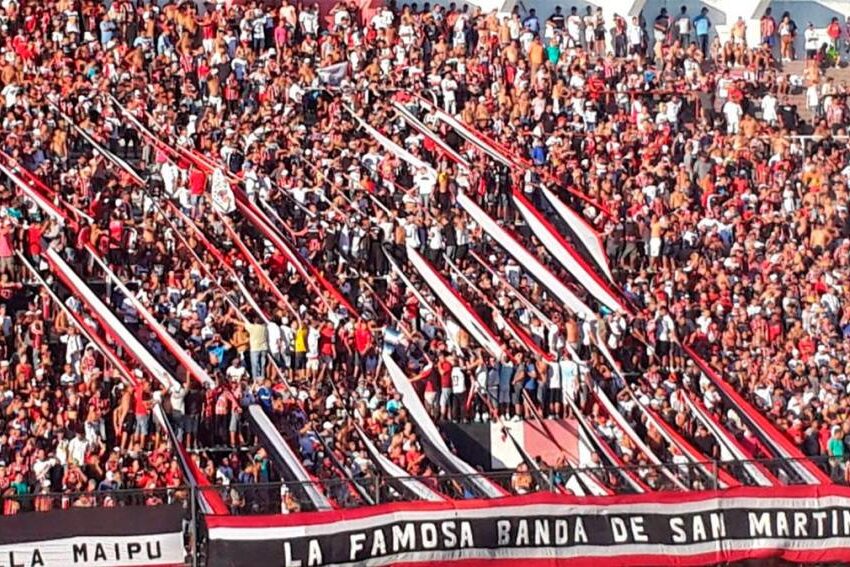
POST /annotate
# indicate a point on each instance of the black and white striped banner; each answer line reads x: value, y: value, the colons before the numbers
x: 798, y: 524
x: 117, y: 536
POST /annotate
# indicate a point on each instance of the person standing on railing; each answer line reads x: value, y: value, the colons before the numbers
x: 833, y: 32
x: 702, y: 27
x: 837, y: 453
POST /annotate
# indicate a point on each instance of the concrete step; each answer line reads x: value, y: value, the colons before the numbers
x: 798, y: 96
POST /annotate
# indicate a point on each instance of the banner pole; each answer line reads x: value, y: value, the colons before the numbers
x: 193, y: 511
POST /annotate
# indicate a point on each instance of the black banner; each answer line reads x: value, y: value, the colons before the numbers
x: 797, y: 524
x: 125, y: 536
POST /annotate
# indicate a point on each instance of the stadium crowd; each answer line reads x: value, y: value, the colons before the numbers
x: 726, y: 231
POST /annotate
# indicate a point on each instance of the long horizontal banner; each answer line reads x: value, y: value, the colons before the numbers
x: 168, y: 341
x: 458, y: 306
x: 435, y: 445
x: 119, y: 536
x: 290, y: 466
x: 799, y: 524
x: 563, y: 253
x: 110, y: 322
x: 209, y: 501
x: 525, y: 258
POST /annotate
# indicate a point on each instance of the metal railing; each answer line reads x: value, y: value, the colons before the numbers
x: 12, y: 504
x: 290, y: 497
x: 367, y: 490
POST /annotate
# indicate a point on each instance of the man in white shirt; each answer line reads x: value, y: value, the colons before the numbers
x: 74, y: 345
x: 574, y: 29
x: 383, y: 19
x: 768, y: 108
x: 177, y: 398
x: 449, y: 87
x: 733, y: 112
x: 274, y: 338
x: 309, y: 20
x: 812, y: 41
x: 683, y: 27
x: 42, y: 465
x: 569, y: 380
x: 77, y: 448
x: 236, y: 371
x: 664, y: 333
x: 458, y: 393
x: 313, y: 336
x: 425, y: 182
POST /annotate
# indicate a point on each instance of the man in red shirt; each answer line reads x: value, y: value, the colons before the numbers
x: 197, y: 186
x: 362, y: 346
x: 327, y: 348
x: 444, y: 368
x: 141, y: 406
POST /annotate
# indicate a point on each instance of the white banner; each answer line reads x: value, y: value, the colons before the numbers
x: 459, y: 308
x: 430, y: 433
x: 527, y: 260
x: 587, y: 234
x: 125, y: 536
x: 567, y: 256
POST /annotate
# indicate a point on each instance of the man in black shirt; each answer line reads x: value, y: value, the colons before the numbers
x: 558, y: 19
x: 193, y: 404
x: 706, y: 443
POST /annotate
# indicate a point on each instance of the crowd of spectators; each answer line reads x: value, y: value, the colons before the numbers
x: 727, y: 232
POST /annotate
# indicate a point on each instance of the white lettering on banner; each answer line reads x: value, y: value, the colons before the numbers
x: 799, y: 524
x: 718, y: 525
x: 524, y: 531
x: 541, y: 532
x: 625, y: 531
x: 84, y: 552
x: 466, y: 535
x: 579, y: 535
x: 449, y: 537
x: 677, y: 526
x: 288, y: 561
x: 429, y: 536
x: 618, y: 529
x: 404, y: 539
x: 379, y: 544
x: 760, y: 524
x: 561, y: 534
x: 782, y: 525
x: 819, y: 517
x: 503, y: 528
x: 155, y: 549
x: 638, y: 533
x: 20, y: 560
x: 314, y: 555
x: 398, y: 538
x: 815, y: 528
x: 356, y: 545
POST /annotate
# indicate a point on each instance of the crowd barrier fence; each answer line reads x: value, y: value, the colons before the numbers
x: 264, y: 498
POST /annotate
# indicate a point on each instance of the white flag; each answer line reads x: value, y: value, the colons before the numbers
x: 333, y: 74
x: 222, y: 194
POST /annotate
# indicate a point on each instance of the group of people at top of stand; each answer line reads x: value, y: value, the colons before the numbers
x: 723, y: 215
